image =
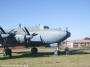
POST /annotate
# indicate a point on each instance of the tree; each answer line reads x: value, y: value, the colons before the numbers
x: 86, y: 38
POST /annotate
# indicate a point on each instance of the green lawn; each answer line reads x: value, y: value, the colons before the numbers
x: 45, y: 58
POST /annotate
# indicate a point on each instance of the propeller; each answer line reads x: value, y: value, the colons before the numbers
x: 2, y: 30
x: 27, y: 31
x: 11, y: 31
x: 4, y: 35
x: 28, y: 35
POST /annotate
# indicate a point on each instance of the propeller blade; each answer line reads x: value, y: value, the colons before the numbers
x: 11, y: 30
x: 24, y: 30
x: 41, y: 39
x: 27, y: 31
x: 2, y: 30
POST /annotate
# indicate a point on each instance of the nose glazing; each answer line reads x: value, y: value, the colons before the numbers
x: 68, y: 34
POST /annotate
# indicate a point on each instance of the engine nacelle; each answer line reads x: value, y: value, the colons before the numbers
x: 28, y: 36
x: 4, y: 35
x: 20, y: 38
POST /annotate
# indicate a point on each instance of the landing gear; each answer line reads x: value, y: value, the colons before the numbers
x: 7, y: 52
x: 57, y: 52
x: 34, y: 50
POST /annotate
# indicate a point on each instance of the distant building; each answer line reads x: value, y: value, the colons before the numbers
x: 77, y: 43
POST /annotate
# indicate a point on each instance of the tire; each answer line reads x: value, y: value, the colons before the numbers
x: 34, y: 50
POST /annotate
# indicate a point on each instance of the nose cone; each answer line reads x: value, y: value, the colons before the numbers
x: 68, y: 34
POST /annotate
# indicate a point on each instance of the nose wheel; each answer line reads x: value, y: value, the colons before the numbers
x: 57, y: 52
x: 34, y: 50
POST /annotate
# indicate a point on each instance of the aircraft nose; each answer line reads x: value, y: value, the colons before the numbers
x: 68, y: 34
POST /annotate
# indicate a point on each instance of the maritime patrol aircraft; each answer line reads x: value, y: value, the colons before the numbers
x: 25, y: 37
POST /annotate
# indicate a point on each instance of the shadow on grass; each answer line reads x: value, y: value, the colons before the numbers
x: 28, y: 55
x: 75, y: 52
x: 41, y: 54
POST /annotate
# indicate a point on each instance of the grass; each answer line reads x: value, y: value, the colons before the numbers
x: 45, y: 58
x: 85, y: 47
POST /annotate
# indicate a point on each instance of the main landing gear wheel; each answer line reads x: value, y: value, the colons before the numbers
x: 7, y: 52
x: 34, y: 50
